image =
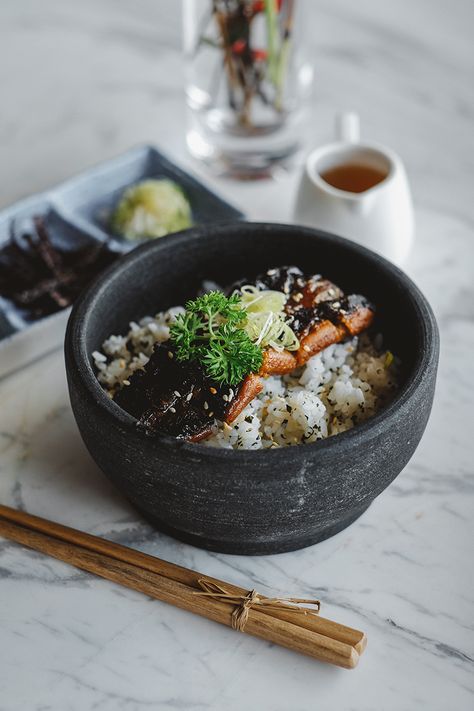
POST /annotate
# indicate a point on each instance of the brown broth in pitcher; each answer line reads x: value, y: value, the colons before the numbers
x: 353, y: 178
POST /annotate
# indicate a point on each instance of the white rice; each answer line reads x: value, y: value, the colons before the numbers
x: 338, y: 388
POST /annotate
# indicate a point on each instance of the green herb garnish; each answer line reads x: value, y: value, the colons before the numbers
x: 210, y: 331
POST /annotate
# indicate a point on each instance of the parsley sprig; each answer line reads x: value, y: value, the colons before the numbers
x: 210, y: 331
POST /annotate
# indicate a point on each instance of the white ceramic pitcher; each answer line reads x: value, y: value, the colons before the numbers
x: 380, y: 217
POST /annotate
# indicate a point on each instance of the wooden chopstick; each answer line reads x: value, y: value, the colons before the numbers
x: 286, y: 632
x: 183, y: 596
x: 314, y: 623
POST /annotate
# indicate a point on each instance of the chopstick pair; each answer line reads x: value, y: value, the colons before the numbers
x: 275, y: 620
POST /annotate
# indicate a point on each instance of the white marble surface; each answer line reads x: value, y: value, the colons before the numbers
x: 82, y: 82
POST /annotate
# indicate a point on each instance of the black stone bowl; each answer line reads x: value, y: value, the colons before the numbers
x: 251, y: 502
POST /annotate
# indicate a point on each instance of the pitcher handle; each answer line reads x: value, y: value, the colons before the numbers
x: 348, y: 127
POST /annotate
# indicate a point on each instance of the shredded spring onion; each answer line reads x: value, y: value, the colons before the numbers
x: 255, y: 301
x: 265, y: 324
x: 388, y: 359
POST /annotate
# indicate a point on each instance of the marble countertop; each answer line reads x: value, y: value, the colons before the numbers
x: 82, y: 82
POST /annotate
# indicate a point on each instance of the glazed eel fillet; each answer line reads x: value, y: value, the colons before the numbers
x: 318, y: 312
x: 180, y: 399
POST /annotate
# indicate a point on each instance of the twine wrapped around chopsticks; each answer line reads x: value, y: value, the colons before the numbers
x: 244, y: 603
x: 272, y: 619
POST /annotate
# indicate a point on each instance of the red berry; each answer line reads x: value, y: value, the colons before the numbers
x: 259, y: 55
x: 238, y: 46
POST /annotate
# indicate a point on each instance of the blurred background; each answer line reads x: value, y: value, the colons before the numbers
x: 84, y: 81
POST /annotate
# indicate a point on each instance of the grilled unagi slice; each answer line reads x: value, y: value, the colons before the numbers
x: 249, y: 388
x: 322, y: 335
x: 333, y: 322
x: 356, y: 314
x: 277, y: 362
x: 274, y: 363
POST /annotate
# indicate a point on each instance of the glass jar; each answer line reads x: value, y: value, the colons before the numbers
x: 247, y: 82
